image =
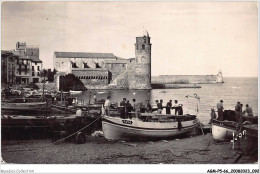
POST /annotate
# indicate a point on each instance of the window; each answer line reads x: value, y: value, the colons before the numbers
x: 32, y: 68
x: 9, y: 66
x: 86, y: 65
x: 35, y: 63
x: 74, y: 65
x: 97, y: 65
x: 143, y: 47
x: 38, y: 73
x: 32, y: 73
x: 38, y: 68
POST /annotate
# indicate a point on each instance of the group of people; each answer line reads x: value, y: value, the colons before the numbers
x: 126, y: 108
x: 169, y: 107
x: 238, y: 108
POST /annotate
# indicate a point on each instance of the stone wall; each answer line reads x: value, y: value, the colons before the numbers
x: 121, y: 82
x: 116, y: 70
x: 139, y: 76
x: 92, y: 76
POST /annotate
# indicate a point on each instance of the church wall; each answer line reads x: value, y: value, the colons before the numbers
x: 92, y: 76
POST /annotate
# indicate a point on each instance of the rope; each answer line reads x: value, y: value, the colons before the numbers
x: 69, y: 135
x: 78, y: 130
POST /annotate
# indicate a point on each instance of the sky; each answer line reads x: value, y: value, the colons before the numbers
x: 188, y: 38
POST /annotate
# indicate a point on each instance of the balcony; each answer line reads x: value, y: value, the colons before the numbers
x: 23, y: 62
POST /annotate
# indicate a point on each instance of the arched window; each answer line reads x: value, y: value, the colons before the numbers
x: 143, y: 47
x: 86, y: 65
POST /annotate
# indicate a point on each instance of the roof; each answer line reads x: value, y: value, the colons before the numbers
x: 36, y: 59
x: 83, y: 55
x: 117, y: 61
x: 5, y: 53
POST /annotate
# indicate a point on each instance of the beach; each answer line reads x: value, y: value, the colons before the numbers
x: 202, y: 149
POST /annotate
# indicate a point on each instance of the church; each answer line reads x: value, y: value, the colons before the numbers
x: 105, y: 70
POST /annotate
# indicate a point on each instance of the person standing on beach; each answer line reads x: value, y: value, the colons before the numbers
x: 160, y: 107
x: 95, y: 98
x: 169, y: 107
x: 238, y: 109
x: 107, y: 105
x: 220, y: 110
x: 248, y: 111
x: 136, y: 108
x: 176, y: 106
x: 239, y: 115
x: 128, y: 109
x: 148, y: 107
x: 123, y: 108
x: 142, y: 108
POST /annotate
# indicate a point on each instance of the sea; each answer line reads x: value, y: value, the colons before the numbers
x: 234, y: 89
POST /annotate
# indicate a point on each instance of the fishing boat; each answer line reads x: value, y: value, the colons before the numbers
x: 224, y: 129
x: 147, y: 125
x: 24, y: 104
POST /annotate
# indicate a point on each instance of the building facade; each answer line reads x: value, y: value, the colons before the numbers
x: 22, y: 66
x: 99, y: 70
x: 8, y: 62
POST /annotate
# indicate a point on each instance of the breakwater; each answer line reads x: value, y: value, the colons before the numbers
x: 184, y: 79
x: 173, y: 86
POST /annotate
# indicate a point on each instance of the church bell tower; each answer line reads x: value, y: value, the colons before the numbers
x: 143, y: 49
x: 140, y: 78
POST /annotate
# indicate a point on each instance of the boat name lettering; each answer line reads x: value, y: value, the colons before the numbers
x: 127, y: 121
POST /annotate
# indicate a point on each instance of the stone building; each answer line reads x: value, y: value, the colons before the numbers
x: 105, y: 70
x: 8, y: 61
x: 21, y: 66
x: 29, y: 64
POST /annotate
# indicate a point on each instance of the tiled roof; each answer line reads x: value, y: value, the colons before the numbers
x: 36, y: 59
x: 83, y: 55
x: 117, y: 61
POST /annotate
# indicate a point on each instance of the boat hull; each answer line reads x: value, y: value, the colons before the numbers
x: 117, y: 128
x: 23, y: 106
x: 222, y: 130
x: 75, y: 92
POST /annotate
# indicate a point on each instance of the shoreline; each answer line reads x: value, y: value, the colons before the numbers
x: 200, y: 149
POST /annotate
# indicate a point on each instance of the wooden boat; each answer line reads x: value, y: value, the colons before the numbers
x: 157, y: 126
x: 75, y: 92
x: 24, y: 104
x: 223, y: 130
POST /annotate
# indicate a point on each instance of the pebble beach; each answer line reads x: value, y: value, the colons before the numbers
x: 202, y: 149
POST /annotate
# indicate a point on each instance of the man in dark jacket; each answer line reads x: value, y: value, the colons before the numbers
x: 123, y: 108
x: 169, y: 107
